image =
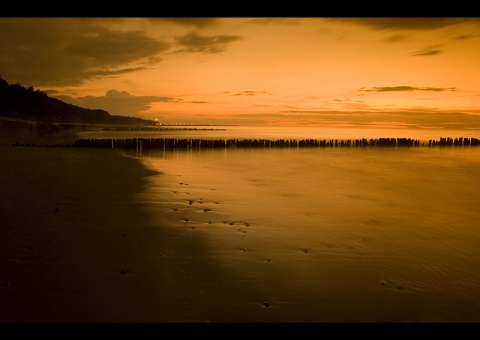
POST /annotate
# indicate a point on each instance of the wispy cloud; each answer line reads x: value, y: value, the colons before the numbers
x: 283, y: 21
x: 414, y: 118
x: 405, y: 89
x: 247, y: 93
x: 323, y: 112
x: 408, y: 23
x: 195, y: 43
x: 427, y: 52
x: 395, y: 38
x: 466, y: 37
x: 195, y: 22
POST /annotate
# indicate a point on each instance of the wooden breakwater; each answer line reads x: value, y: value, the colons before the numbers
x: 172, y: 143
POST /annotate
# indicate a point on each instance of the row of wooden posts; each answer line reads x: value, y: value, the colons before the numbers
x: 172, y: 143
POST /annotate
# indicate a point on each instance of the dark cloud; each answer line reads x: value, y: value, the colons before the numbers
x: 407, y: 23
x: 405, y: 89
x: 283, y: 21
x: 43, y: 52
x: 395, y: 38
x: 117, y: 102
x: 321, y: 112
x: 62, y: 51
x: 247, y: 93
x: 427, y: 52
x: 465, y: 37
x: 195, y: 43
x: 195, y: 22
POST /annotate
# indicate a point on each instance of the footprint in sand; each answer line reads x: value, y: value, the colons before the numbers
x: 266, y: 304
x: 392, y: 285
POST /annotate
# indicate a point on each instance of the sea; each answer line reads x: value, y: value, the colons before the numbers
x: 334, y: 234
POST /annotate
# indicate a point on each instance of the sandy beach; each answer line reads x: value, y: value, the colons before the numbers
x: 70, y: 230
x: 99, y: 235
x: 76, y: 247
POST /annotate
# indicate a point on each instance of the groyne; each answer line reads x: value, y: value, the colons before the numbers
x: 172, y: 143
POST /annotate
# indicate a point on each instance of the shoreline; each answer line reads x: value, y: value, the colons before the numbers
x: 76, y: 246
x: 80, y: 243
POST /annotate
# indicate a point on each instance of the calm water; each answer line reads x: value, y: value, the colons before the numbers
x: 246, y: 132
x: 330, y: 234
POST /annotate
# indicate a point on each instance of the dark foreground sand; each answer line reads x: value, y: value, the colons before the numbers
x: 75, y: 246
x: 69, y: 228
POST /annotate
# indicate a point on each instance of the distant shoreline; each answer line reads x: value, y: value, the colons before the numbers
x: 14, y: 132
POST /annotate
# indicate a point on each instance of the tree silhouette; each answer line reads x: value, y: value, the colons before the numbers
x: 17, y: 101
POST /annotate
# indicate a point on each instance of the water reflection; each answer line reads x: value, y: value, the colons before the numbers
x: 365, y: 234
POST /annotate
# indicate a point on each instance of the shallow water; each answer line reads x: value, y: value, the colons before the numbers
x: 329, y: 234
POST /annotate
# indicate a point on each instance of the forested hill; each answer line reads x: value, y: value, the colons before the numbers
x: 19, y: 102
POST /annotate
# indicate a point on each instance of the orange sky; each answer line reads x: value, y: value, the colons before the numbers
x: 399, y: 72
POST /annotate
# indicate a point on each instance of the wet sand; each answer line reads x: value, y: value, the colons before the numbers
x: 75, y: 246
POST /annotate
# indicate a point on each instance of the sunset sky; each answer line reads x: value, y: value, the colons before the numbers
x: 322, y: 71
